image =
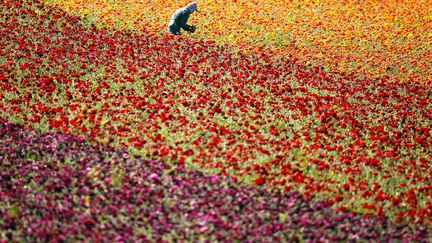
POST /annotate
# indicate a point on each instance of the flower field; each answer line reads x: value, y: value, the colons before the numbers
x: 69, y: 190
x: 151, y: 109
x: 391, y: 37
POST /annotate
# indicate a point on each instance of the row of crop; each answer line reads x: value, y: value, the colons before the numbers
x: 357, y: 143
x: 57, y: 187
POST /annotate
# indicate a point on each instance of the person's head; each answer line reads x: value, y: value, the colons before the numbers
x: 192, y: 7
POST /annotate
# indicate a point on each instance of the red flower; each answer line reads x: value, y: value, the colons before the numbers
x: 259, y: 181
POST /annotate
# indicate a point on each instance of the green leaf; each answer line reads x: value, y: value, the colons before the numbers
x: 14, y: 211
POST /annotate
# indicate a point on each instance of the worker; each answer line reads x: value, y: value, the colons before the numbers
x: 180, y: 18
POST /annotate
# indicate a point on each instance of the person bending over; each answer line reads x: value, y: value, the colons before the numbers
x: 180, y: 18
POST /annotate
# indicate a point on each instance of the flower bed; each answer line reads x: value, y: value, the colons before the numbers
x: 56, y: 187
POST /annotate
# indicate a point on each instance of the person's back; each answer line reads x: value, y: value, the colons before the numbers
x: 180, y: 18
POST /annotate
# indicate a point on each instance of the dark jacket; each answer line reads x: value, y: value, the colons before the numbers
x: 179, y: 20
